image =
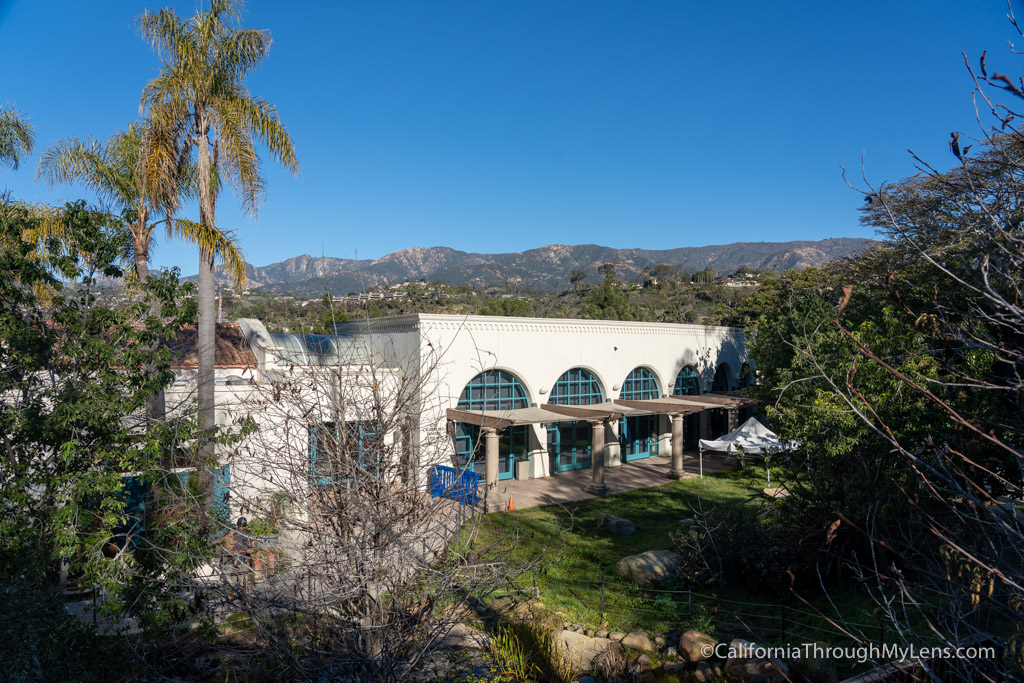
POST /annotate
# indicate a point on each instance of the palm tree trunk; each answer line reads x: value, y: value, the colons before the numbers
x: 207, y: 325
x: 156, y: 406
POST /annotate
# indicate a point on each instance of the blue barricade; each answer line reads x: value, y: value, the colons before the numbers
x: 460, y: 485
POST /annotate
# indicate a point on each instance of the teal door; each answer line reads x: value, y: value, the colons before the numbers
x: 470, y: 449
x: 638, y: 437
x: 569, y: 446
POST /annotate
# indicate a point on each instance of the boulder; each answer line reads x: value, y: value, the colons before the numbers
x: 638, y: 640
x: 580, y: 651
x: 647, y: 569
x: 696, y: 646
x: 616, y: 635
x: 461, y: 636
x: 746, y: 666
x: 615, y: 525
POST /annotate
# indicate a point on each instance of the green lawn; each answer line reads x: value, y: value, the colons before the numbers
x: 579, y: 558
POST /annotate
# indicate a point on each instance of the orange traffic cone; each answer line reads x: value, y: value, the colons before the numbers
x: 511, y: 505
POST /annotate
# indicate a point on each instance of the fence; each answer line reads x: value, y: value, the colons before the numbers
x: 459, y: 485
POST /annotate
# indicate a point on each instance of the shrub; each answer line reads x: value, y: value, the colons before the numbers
x: 734, y: 547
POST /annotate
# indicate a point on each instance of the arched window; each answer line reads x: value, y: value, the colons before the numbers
x: 493, y: 390
x: 687, y: 382
x: 576, y: 387
x: 569, y: 442
x: 721, y: 381
x: 640, y: 385
x: 638, y: 434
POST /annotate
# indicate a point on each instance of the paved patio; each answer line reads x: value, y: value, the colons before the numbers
x: 568, y: 487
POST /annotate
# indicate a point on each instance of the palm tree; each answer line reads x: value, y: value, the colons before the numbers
x: 116, y: 172
x: 16, y: 137
x: 577, y: 278
x: 198, y: 102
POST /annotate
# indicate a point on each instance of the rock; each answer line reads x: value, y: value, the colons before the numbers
x: 615, y: 525
x: 463, y: 636
x: 603, y: 624
x: 577, y: 627
x: 659, y: 641
x: 745, y: 665
x: 645, y: 662
x: 702, y: 672
x: 648, y: 568
x: 671, y: 652
x: 580, y: 651
x: 638, y: 640
x: 601, y: 634
x: 616, y: 635
x: 696, y: 646
x: 671, y: 667
x: 589, y: 633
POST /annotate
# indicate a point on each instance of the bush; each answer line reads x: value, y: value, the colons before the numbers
x: 40, y: 641
x: 732, y: 547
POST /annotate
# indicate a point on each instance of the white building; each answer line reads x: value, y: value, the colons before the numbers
x: 506, y: 397
x: 531, y: 397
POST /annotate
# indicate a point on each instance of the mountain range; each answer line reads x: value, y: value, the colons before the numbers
x: 546, y: 268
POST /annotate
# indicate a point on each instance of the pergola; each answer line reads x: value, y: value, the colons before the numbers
x: 491, y: 422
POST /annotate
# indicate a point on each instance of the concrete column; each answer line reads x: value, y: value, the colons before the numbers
x: 491, y: 454
x: 734, y: 418
x: 597, y: 450
x: 676, y: 472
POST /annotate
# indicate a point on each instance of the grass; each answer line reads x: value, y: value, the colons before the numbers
x: 577, y: 577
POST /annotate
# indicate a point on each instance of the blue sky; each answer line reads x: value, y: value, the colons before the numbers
x: 502, y: 126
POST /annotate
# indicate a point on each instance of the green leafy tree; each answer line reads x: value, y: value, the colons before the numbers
x: 578, y: 279
x: 74, y: 382
x: 198, y: 103
x: 506, y: 307
x: 608, y: 301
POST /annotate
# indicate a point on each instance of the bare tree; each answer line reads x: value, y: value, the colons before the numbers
x: 370, y: 572
x: 952, y: 570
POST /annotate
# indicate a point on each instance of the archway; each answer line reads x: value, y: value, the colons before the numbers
x: 688, y: 384
x: 638, y: 434
x: 492, y: 390
x: 569, y: 443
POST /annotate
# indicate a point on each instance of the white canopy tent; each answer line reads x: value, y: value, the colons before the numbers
x: 752, y: 437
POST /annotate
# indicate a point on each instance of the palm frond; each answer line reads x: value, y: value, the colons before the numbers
x: 262, y: 119
x: 17, y: 137
x: 100, y: 168
x: 223, y: 244
x: 239, y: 162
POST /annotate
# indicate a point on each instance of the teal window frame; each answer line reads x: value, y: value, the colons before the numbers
x: 640, y: 385
x: 576, y: 387
x: 687, y: 382
x: 492, y: 390
x: 639, y: 437
x: 367, y: 450
x: 580, y: 457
